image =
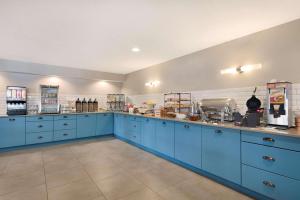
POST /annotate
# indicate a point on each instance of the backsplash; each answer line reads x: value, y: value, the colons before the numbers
x: 35, y: 98
x: 240, y: 95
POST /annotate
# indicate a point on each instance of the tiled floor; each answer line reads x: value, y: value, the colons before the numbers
x: 106, y: 169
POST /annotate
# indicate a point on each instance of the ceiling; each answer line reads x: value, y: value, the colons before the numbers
x: 99, y: 34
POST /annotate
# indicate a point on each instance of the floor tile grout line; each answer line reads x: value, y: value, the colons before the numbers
x: 82, y: 166
x: 45, y: 176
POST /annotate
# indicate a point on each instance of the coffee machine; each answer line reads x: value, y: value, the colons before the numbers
x: 16, y: 100
x: 279, y: 104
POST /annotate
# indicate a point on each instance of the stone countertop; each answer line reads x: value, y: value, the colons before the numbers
x: 291, y: 132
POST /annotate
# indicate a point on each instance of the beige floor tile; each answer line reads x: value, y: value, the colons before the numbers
x: 34, y: 193
x: 145, y: 194
x: 118, y: 186
x: 101, y: 172
x: 59, y: 153
x: 59, y: 165
x: 83, y: 189
x: 63, y: 177
x: 13, y: 184
x: 158, y: 180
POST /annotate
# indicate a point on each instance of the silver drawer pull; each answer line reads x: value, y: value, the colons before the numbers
x: 218, y: 131
x: 267, y: 139
x: 12, y: 119
x: 269, y: 184
x: 269, y: 158
x: 40, y: 137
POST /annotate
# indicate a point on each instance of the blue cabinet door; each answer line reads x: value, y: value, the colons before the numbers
x: 221, y: 153
x: 12, y: 131
x: 148, y: 133
x: 188, y: 143
x: 105, y: 124
x: 118, y: 125
x: 86, y: 125
x: 165, y: 137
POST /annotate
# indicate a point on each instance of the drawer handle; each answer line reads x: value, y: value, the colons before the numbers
x: 40, y: 137
x: 105, y: 114
x: 218, y: 131
x: 134, y: 126
x: 40, y: 118
x: 164, y: 123
x: 147, y: 120
x: 12, y: 119
x: 65, y: 134
x: 269, y: 158
x: 65, y: 116
x: 65, y: 124
x: 269, y: 184
x: 186, y: 126
x: 86, y: 115
x: 40, y: 126
x: 267, y: 139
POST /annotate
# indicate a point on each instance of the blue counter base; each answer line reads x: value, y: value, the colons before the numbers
x: 55, y: 143
x: 222, y: 181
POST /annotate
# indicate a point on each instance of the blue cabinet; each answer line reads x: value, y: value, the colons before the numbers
x: 148, y: 133
x: 269, y: 184
x: 39, y: 126
x: 12, y: 131
x: 188, y: 141
x: 221, y: 153
x: 165, y: 137
x: 105, y: 124
x: 86, y: 125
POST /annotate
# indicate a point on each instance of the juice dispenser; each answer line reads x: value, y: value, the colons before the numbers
x: 279, y: 104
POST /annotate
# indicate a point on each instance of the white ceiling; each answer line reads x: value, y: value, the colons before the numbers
x: 99, y: 34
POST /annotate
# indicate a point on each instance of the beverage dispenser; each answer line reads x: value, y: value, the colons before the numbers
x: 279, y: 104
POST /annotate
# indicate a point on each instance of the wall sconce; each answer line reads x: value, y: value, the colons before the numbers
x: 241, y: 69
x: 152, y: 84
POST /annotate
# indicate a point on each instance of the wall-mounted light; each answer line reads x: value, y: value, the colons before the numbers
x: 241, y: 69
x: 152, y: 84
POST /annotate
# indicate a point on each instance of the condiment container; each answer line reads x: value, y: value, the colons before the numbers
x: 78, y: 105
x: 84, y: 105
x: 90, y: 106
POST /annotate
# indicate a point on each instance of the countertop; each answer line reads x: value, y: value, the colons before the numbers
x: 291, y: 132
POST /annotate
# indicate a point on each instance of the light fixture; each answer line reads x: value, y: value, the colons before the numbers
x: 135, y: 49
x: 152, y: 84
x: 241, y: 69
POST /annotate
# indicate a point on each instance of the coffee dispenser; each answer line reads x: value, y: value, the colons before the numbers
x: 279, y: 104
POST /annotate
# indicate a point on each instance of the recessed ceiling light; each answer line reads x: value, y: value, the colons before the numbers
x: 135, y: 49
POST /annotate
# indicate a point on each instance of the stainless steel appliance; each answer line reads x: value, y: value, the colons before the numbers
x: 49, y: 99
x: 16, y: 100
x: 220, y: 109
x: 279, y: 104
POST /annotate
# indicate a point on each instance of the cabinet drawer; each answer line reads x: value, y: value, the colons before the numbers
x: 35, y: 138
x: 280, y: 161
x: 64, y: 124
x: 41, y: 126
x: 63, y: 117
x: 39, y: 118
x: 64, y: 135
x: 269, y: 184
x: 271, y: 140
